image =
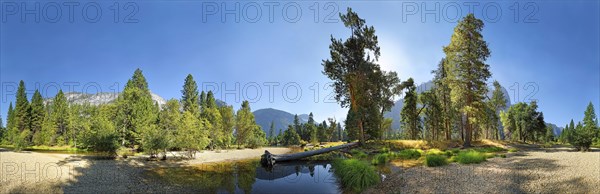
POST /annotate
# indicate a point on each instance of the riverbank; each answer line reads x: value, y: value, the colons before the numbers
x: 34, y: 172
x: 531, y: 170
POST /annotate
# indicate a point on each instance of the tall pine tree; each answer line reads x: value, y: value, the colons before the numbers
x: 38, y: 114
x: 467, y: 71
x: 189, y: 96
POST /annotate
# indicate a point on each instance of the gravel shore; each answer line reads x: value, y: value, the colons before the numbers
x: 553, y: 170
x: 31, y: 172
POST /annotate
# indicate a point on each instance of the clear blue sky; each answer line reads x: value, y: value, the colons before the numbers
x: 553, y: 44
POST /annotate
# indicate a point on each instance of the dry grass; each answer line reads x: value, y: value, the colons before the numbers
x: 489, y: 142
x: 407, y: 163
x: 422, y: 144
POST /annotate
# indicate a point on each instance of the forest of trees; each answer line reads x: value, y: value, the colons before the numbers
x: 193, y: 123
x: 309, y: 132
x: 457, y: 107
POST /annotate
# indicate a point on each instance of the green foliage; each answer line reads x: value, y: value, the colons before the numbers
x: 192, y: 135
x: 245, y: 124
x: 583, y: 136
x: 523, y: 122
x: 433, y: 120
x: 155, y: 140
x: 38, y: 114
x: 467, y: 71
x: 435, y: 160
x: 409, y: 114
x: 20, y: 141
x: 410, y: 154
x: 381, y: 159
x: 104, y: 137
x: 22, y: 110
x: 358, y: 79
x: 136, y: 110
x: 358, y: 154
x: 490, y: 149
x: 215, y: 122
x: 355, y: 174
x: 290, y: 137
x: 470, y: 157
x: 189, y: 95
x: 228, y: 123
x: 61, y: 117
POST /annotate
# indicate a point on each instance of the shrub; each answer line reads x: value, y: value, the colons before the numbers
x: 20, y: 141
x: 355, y: 175
x: 410, y: 154
x: 382, y: 158
x: 470, y: 157
x: 435, y: 160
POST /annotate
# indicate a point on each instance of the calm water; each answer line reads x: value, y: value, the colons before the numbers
x: 251, y: 177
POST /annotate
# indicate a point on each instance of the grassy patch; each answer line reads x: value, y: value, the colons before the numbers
x: 490, y: 149
x: 355, y: 174
x: 435, y: 160
x: 358, y: 154
x: 470, y: 157
x: 410, y: 154
x: 513, y: 150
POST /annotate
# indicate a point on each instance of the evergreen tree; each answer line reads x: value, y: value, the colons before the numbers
x: 356, y: 75
x: 61, y: 118
x: 11, y: 130
x: 497, y: 103
x: 22, y: 109
x: 38, y: 114
x: 549, y: 137
x: 467, y: 71
x: 271, y: 132
x: 170, y: 121
x: 245, y: 124
x: 442, y: 90
x: 189, y: 96
x: 136, y: 110
x: 192, y: 135
x: 432, y: 116
x: 228, y: 116
x: 409, y: 113
x: 213, y: 116
x: 290, y: 137
x: 202, y: 100
x: 583, y: 135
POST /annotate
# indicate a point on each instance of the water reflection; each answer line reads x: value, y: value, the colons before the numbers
x: 251, y: 177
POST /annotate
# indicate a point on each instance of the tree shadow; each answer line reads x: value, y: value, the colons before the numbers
x: 96, y: 174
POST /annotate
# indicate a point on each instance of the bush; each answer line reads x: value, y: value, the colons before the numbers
x: 470, y: 157
x: 20, y: 141
x: 435, y: 160
x: 355, y: 175
x: 410, y: 154
x: 382, y: 158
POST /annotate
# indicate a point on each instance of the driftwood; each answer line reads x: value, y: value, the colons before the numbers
x: 269, y: 159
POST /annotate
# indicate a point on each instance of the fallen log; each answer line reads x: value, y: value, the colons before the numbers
x: 269, y: 159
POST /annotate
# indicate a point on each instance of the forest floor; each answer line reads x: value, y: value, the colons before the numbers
x: 532, y: 169
x: 34, y: 172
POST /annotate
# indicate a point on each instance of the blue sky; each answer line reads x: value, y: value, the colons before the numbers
x: 550, y: 49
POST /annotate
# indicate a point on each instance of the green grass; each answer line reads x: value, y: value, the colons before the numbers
x: 358, y: 154
x: 470, y: 157
x: 410, y: 154
x: 513, y: 150
x: 490, y: 149
x: 435, y: 160
x: 355, y: 174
